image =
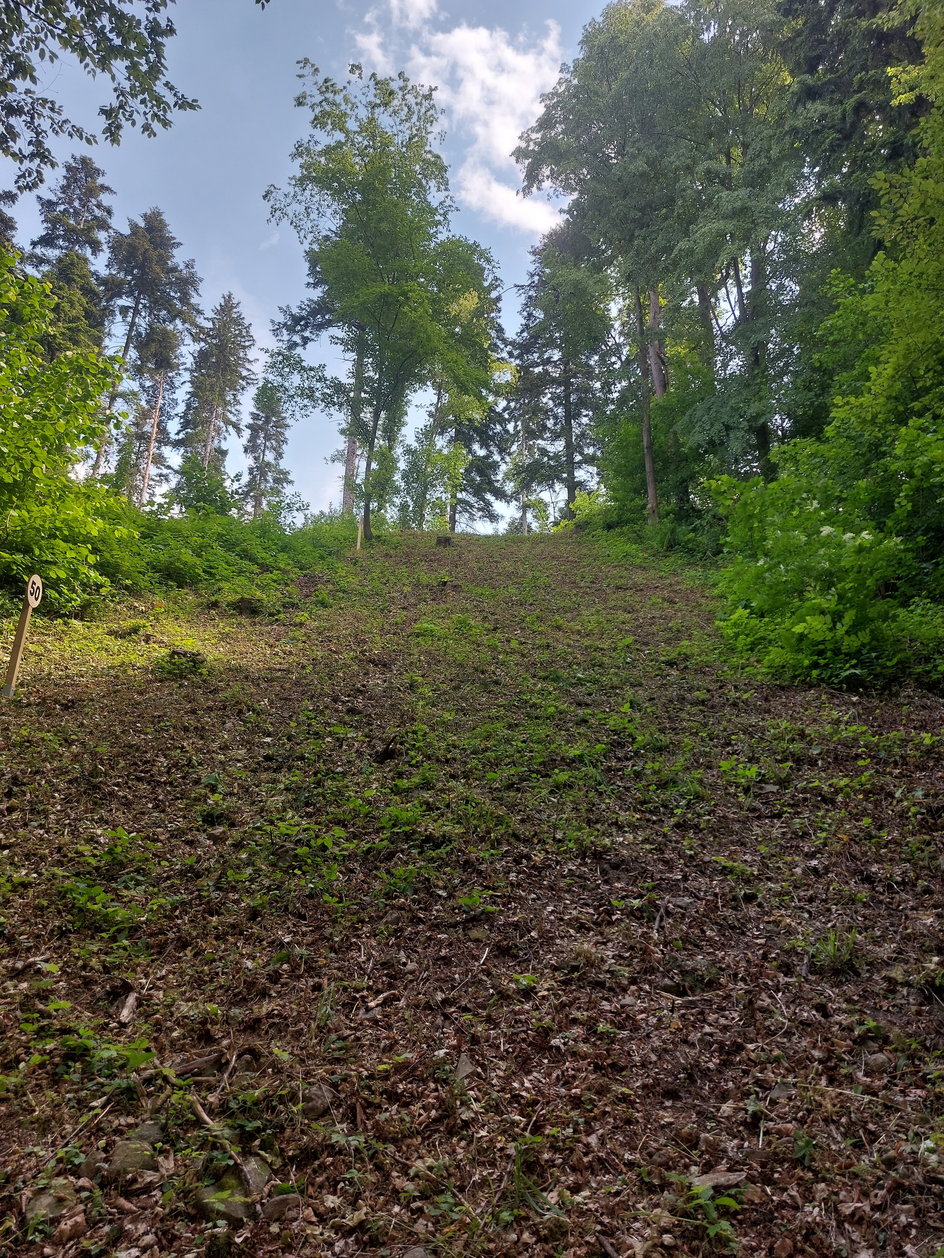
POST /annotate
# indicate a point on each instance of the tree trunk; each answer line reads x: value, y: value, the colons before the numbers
x: 759, y: 368
x: 257, y: 499
x: 208, y: 440
x: 570, y: 460
x: 660, y: 375
x: 351, y: 450
x: 523, y: 493
x: 453, y: 498
x: 707, y: 325
x: 152, y: 441
x: 368, y: 465
x: 101, y: 453
x: 652, y: 497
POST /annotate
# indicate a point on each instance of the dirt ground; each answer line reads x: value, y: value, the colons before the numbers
x: 472, y: 903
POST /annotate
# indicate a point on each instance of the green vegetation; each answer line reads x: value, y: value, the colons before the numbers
x: 421, y: 886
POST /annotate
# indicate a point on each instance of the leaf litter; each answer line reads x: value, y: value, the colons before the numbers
x: 476, y: 907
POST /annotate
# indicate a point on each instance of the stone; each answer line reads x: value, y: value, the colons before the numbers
x: 416, y: 1252
x: 318, y: 1100
x: 150, y: 1132
x: 52, y: 1203
x: 94, y: 1165
x: 225, y: 1200
x: 878, y: 1063
x: 288, y: 1204
x: 231, y: 1198
x: 258, y: 1173
x: 136, y: 1152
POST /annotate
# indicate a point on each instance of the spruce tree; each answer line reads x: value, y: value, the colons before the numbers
x: 76, y: 217
x: 150, y: 287
x: 220, y: 374
x: 264, y: 446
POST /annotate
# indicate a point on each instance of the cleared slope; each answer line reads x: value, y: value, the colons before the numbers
x: 480, y: 901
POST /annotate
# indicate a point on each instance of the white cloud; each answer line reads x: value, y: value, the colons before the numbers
x: 478, y: 188
x: 488, y: 81
x: 372, y: 48
x: 412, y: 12
x: 270, y: 241
x: 490, y: 85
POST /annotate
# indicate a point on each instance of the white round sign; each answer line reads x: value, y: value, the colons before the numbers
x: 34, y: 591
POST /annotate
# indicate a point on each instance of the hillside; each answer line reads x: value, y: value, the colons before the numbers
x: 474, y: 905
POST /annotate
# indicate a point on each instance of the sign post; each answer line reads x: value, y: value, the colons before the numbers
x: 31, y: 599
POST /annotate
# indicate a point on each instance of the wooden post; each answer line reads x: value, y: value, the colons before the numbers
x: 360, y: 534
x: 31, y: 599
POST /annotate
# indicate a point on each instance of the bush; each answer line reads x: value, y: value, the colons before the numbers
x: 816, y: 592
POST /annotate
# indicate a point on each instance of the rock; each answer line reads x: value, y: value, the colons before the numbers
x: 288, y: 1204
x: 136, y: 1152
x: 150, y: 1132
x: 231, y: 1198
x: 465, y: 1068
x: 478, y: 934
x: 416, y: 1252
x: 94, y: 1165
x: 225, y: 1200
x: 52, y: 1203
x: 878, y: 1063
x: 719, y: 1179
x: 318, y: 1100
x: 258, y: 1173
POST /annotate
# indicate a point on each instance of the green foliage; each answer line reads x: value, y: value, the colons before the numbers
x: 836, y: 573
x: 49, y: 411
x: 813, y: 593
x: 126, y: 49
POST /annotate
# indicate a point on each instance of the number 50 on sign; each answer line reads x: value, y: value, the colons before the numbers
x: 31, y: 599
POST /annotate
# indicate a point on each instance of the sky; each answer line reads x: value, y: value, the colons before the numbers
x: 490, y: 61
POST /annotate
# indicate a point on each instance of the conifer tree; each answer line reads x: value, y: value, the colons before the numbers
x: 219, y: 376
x: 266, y: 437
x: 76, y: 217
x: 150, y: 286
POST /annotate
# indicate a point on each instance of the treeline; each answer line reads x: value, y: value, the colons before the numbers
x: 184, y: 372
x: 737, y: 326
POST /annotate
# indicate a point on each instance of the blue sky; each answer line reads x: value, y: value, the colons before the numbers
x: 490, y: 62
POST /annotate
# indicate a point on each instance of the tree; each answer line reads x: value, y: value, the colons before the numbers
x: 837, y: 573
x: 266, y: 437
x: 150, y: 287
x: 157, y: 362
x: 560, y: 356
x: 48, y: 410
x: 370, y: 204
x: 123, y: 41
x: 669, y: 134
x: 220, y: 374
x: 76, y: 217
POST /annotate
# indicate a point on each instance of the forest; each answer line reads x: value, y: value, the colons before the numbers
x: 728, y: 346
